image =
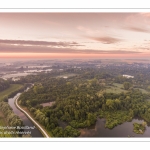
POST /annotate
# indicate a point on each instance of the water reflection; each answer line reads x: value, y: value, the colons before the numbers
x: 34, y: 132
x: 123, y: 130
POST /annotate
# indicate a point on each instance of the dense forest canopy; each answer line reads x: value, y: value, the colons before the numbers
x: 87, y: 94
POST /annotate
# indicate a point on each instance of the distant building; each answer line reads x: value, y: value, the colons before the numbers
x: 65, y: 77
x: 127, y: 76
x: 15, y: 79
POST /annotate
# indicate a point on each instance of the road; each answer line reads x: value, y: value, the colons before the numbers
x: 16, y: 102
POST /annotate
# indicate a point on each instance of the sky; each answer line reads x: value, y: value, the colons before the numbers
x: 75, y: 35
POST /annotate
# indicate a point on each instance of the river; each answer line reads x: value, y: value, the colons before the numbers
x: 123, y: 130
x: 34, y: 132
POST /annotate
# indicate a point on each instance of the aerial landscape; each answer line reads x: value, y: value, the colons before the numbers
x: 74, y: 75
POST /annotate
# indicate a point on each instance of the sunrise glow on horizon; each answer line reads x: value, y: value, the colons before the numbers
x: 74, y: 35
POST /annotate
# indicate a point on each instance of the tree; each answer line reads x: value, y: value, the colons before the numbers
x: 110, y: 104
x: 117, y: 103
x: 92, y: 118
x: 126, y: 85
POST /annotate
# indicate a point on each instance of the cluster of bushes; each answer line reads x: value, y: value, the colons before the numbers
x: 11, y: 119
x: 139, y: 128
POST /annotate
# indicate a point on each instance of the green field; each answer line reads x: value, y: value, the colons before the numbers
x: 118, y: 88
x: 12, y: 88
x: 142, y: 90
x: 115, y: 88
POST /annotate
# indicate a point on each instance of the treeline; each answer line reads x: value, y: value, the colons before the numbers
x: 11, y: 119
x: 112, y: 72
x: 3, y: 84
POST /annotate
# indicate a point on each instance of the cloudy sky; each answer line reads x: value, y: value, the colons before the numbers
x: 75, y: 35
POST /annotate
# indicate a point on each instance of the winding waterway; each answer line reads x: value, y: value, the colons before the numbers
x: 27, y: 122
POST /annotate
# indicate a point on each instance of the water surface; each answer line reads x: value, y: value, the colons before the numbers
x: 34, y: 132
x: 123, y: 130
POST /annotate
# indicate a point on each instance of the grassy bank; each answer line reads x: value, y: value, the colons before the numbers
x: 11, y: 89
x: 115, y: 88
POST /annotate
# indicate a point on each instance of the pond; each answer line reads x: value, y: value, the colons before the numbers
x: 123, y: 130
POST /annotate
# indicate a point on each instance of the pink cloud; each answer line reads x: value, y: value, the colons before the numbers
x: 137, y: 29
x: 106, y: 39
